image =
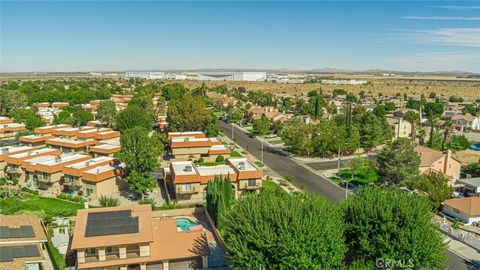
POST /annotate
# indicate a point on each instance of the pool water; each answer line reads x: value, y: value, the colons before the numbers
x: 185, y: 223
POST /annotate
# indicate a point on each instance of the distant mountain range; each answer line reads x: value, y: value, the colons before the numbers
x: 458, y: 73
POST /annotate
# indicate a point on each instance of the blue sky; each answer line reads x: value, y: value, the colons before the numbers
x: 149, y: 35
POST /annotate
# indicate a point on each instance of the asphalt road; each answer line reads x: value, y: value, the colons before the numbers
x: 284, y: 166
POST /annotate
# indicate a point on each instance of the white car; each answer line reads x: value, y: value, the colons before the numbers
x: 271, y: 136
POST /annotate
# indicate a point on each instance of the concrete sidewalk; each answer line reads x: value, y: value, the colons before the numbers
x: 464, y: 251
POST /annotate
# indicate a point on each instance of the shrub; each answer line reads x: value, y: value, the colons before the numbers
x: 200, y: 160
x: 3, y: 181
x: 283, y: 182
x: 57, y: 258
x: 290, y: 178
x: 72, y: 198
x: 27, y: 190
x: 108, y: 201
x: 220, y: 158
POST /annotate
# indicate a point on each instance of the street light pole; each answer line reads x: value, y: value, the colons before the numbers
x: 262, y: 151
x: 339, y: 158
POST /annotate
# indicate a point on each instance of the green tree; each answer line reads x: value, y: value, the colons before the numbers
x: 133, y: 116
x: 397, y: 162
x: 139, y: 151
x: 141, y: 155
x: 434, y: 185
x: 81, y: 117
x: 28, y: 117
x: 469, y: 109
x: 318, y: 107
x: 433, y: 111
x: 106, y: 112
x: 281, y: 231
x: 390, y: 106
x: 188, y: 114
x: 174, y: 91
x: 473, y: 169
x: 447, y: 129
x: 261, y: 125
x: 64, y: 117
x: 212, y: 129
x: 219, y: 197
x: 390, y: 224
x: 458, y: 143
x: 11, y: 100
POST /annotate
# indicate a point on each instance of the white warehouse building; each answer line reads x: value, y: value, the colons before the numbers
x: 232, y: 76
x: 156, y: 75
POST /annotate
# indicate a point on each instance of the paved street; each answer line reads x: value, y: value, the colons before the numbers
x: 284, y: 166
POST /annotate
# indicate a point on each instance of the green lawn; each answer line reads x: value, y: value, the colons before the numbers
x: 270, y: 186
x: 50, y: 206
x: 359, y: 178
x: 235, y: 154
x: 259, y: 164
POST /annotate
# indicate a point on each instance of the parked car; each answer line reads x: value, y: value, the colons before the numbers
x: 251, y: 135
x: 475, y: 147
x: 271, y: 136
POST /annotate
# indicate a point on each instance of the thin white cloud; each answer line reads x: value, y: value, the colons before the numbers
x: 444, y: 18
x: 440, y: 61
x: 458, y: 7
x: 464, y: 37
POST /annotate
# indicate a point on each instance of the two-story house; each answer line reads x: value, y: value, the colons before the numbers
x: 190, y: 181
x: 131, y: 237
x: 432, y: 160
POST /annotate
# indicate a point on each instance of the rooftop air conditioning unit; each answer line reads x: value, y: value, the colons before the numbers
x: 188, y: 168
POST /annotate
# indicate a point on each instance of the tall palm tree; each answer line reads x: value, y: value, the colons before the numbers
x: 421, y: 134
x: 433, y: 121
x: 446, y: 134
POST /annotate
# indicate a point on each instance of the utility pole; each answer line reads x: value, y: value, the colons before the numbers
x: 339, y: 158
x: 262, y: 150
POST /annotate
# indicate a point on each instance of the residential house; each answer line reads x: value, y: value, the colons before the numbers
x: 9, y: 150
x: 432, y: 160
x: 466, y: 122
x: 38, y: 141
x: 400, y: 127
x: 189, y: 181
x: 23, y: 243
x: 400, y: 113
x: 106, y: 147
x: 48, y: 130
x: 194, y: 148
x: 92, y: 178
x: 467, y: 210
x: 46, y: 172
x: 134, y: 237
x: 471, y: 186
x: 10, y: 130
x: 13, y: 168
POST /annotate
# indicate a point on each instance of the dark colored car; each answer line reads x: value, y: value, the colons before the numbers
x: 251, y: 135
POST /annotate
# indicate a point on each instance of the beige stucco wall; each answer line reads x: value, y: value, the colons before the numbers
x: 105, y: 188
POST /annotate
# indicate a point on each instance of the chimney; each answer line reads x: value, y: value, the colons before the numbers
x: 448, y: 156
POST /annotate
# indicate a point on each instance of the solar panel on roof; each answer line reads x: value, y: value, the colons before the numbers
x: 20, y: 232
x: 111, y: 223
x: 8, y: 253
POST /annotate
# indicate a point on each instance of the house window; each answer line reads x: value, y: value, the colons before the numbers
x: 456, y: 210
x: 45, y: 176
x: 90, y: 252
x: 252, y: 182
x: 186, y: 187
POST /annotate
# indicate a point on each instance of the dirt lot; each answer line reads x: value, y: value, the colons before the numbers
x: 467, y: 156
x: 446, y: 86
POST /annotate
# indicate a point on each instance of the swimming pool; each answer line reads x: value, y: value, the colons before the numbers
x: 185, y: 223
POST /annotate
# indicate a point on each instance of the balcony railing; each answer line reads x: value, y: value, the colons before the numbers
x: 251, y: 187
x: 186, y: 191
x: 91, y: 258
x: 73, y: 183
x: 133, y: 254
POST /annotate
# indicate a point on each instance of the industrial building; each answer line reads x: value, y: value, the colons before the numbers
x: 154, y: 75
x: 232, y: 76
